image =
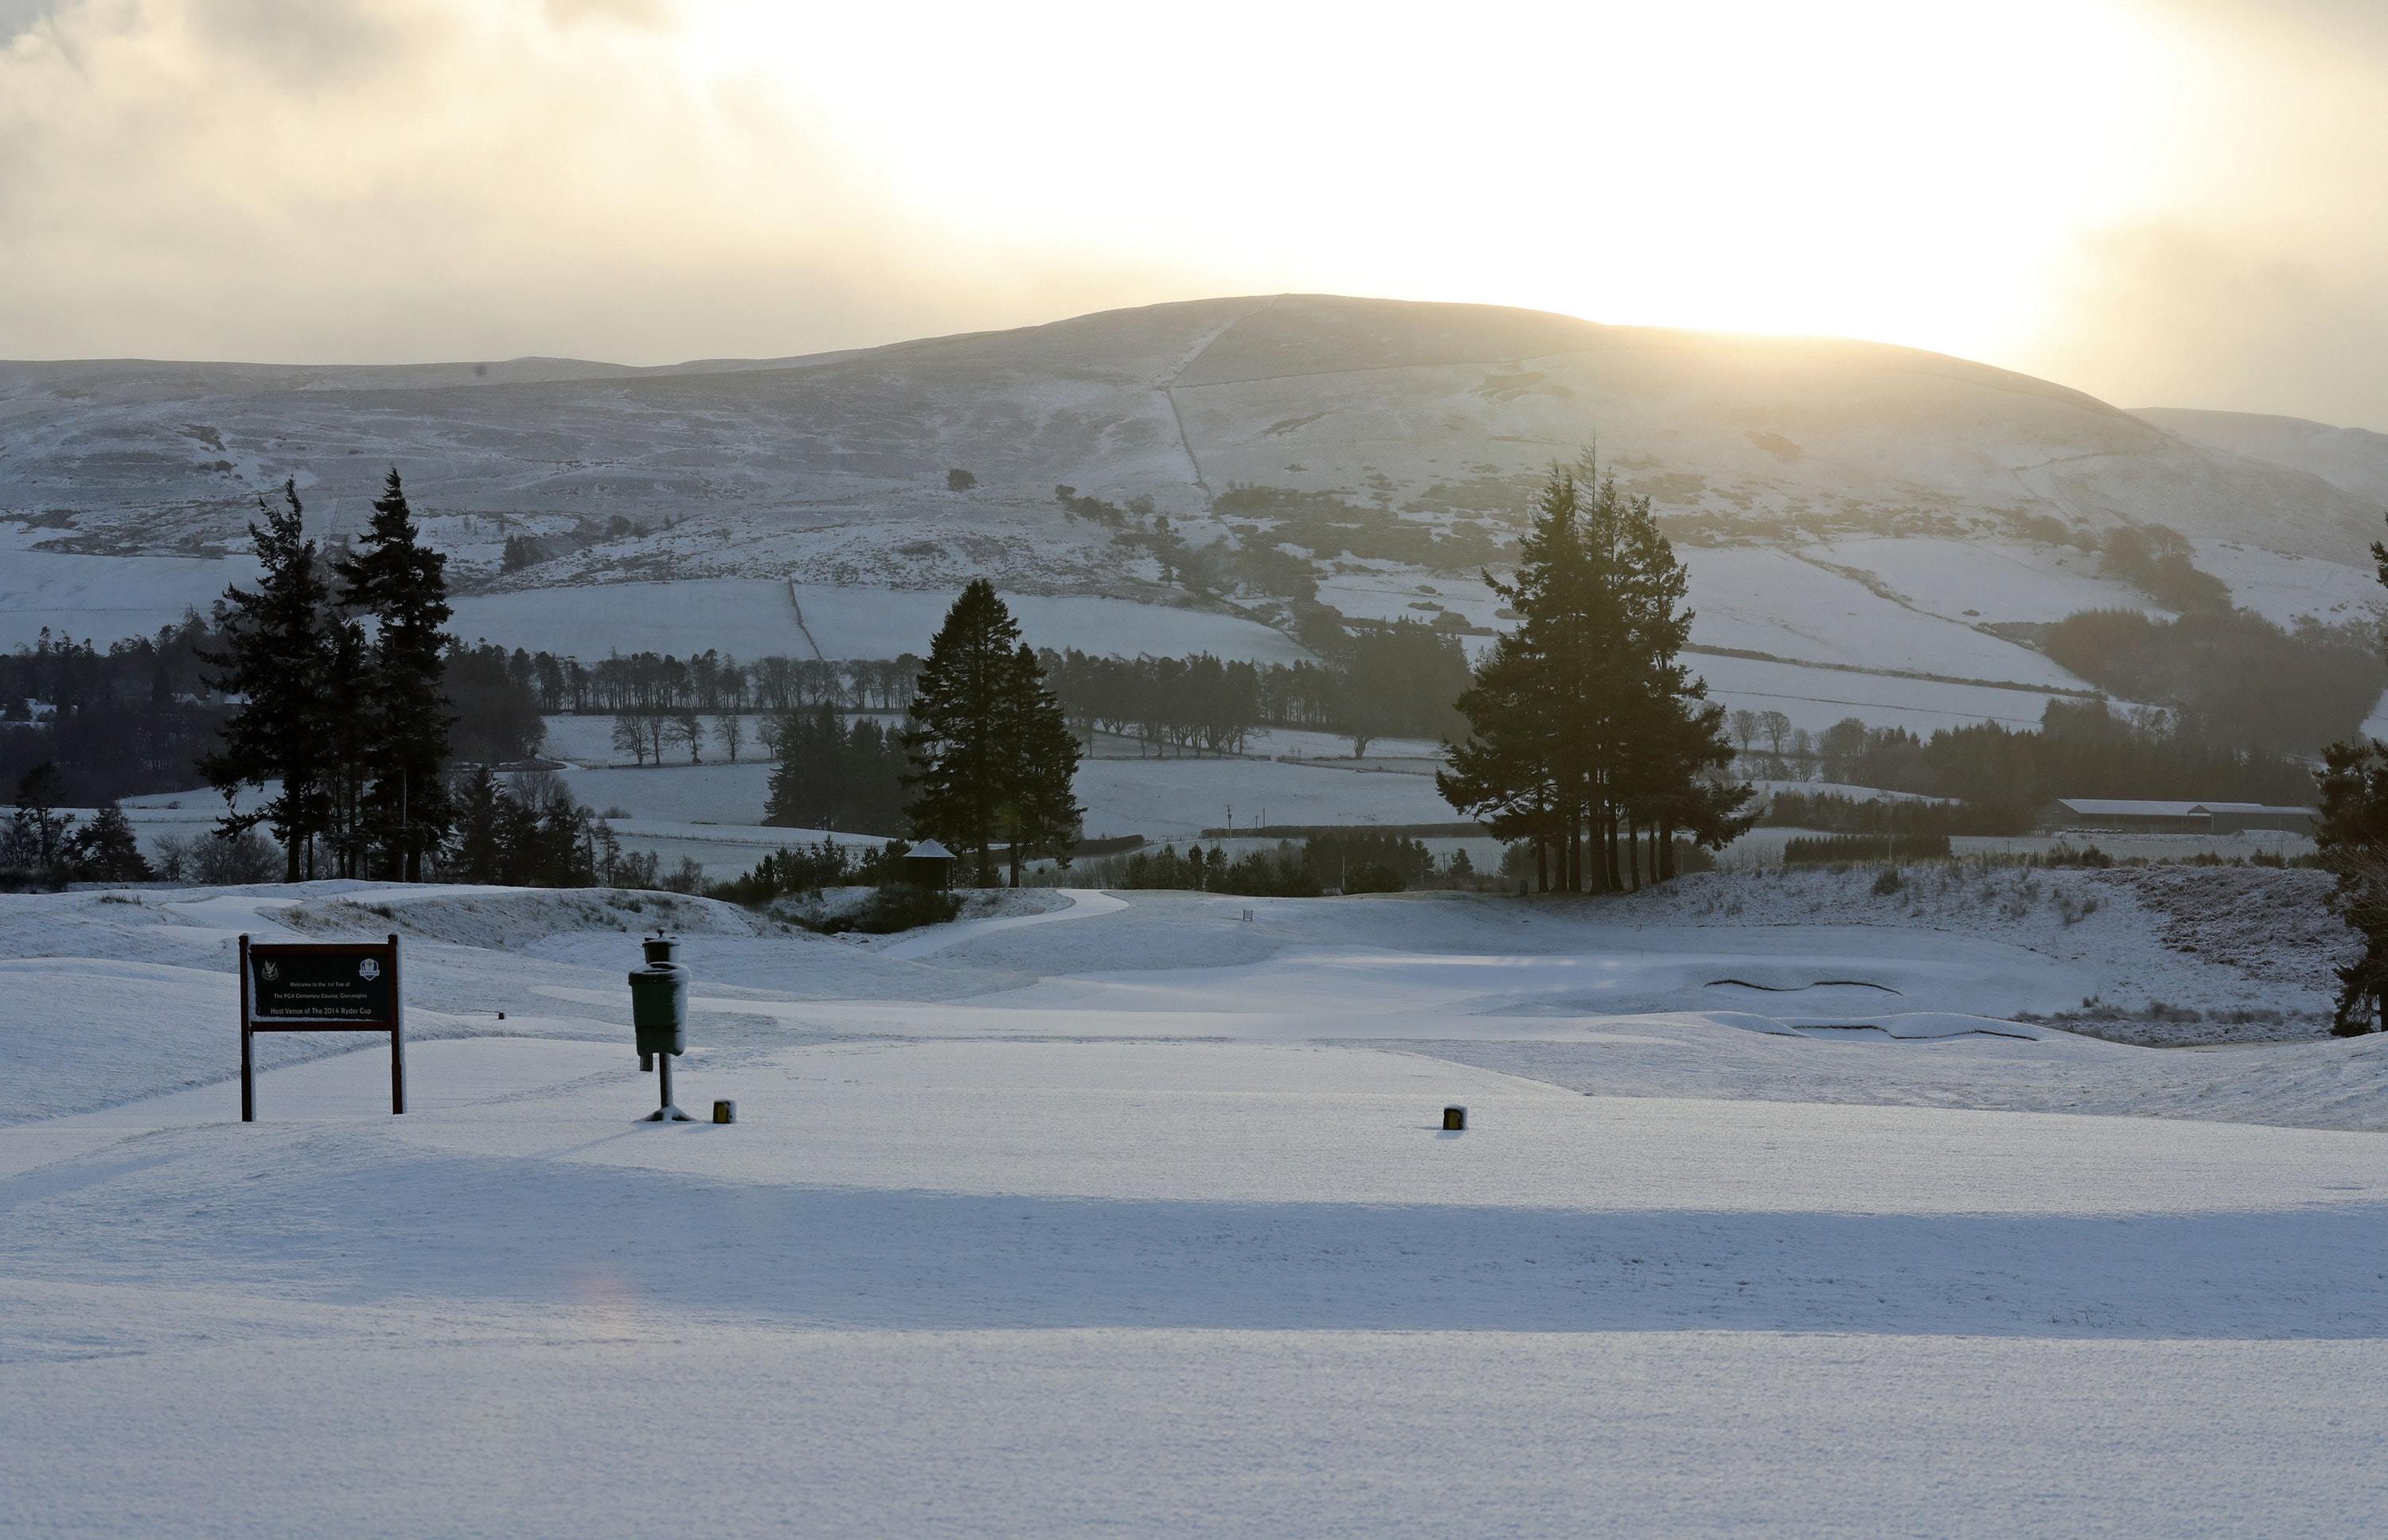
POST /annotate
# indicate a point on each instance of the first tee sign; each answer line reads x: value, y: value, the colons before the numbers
x: 294, y: 985
x: 319, y: 987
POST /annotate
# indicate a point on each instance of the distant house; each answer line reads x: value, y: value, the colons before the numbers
x: 2120, y: 815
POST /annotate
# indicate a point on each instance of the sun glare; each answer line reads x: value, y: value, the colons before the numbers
x: 1886, y: 170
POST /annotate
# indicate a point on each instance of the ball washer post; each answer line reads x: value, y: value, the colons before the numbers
x: 659, y: 1017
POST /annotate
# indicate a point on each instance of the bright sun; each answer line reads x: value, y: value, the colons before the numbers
x: 1878, y: 169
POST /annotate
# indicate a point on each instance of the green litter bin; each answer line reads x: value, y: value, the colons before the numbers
x: 659, y: 1016
x: 659, y: 1009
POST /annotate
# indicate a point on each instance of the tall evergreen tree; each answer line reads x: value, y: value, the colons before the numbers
x: 1586, y: 733
x: 991, y: 757
x: 478, y: 851
x: 954, y: 741
x: 401, y: 584
x: 275, y: 657
x: 1040, y: 811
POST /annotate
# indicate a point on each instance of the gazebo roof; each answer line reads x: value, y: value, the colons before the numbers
x: 928, y: 850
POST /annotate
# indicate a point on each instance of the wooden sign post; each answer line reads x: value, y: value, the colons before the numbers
x: 319, y: 987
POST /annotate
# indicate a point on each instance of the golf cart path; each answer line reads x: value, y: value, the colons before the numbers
x: 1085, y: 903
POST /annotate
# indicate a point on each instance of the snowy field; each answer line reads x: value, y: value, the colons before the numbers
x: 758, y: 617
x: 1766, y: 599
x: 1133, y: 1217
x: 105, y: 599
x: 1162, y: 798
x: 2286, y: 589
x: 1159, y: 799
x: 1816, y: 698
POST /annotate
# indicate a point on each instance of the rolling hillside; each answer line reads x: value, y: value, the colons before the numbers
x: 1865, y: 523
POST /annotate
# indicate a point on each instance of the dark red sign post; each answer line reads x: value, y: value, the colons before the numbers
x: 319, y: 987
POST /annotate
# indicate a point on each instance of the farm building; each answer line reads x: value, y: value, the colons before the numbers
x: 2113, y: 815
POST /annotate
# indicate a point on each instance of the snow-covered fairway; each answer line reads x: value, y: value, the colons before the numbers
x: 1169, y: 1263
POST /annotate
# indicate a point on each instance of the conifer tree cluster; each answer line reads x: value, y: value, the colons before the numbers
x: 834, y: 775
x: 348, y: 724
x: 41, y: 844
x: 1586, y: 734
x: 993, y: 758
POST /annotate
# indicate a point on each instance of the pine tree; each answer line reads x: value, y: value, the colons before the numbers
x: 274, y: 662
x: 803, y: 784
x: 1041, y: 814
x: 401, y: 584
x: 1586, y: 733
x: 2352, y: 834
x: 991, y: 755
x: 1499, y: 773
x: 106, y: 851
x: 479, y: 837
x: 1516, y: 769
x: 36, y: 810
x: 957, y: 770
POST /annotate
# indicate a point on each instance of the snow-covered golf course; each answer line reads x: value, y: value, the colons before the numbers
x: 1130, y: 1214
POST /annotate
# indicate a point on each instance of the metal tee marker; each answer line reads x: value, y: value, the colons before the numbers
x: 659, y: 1017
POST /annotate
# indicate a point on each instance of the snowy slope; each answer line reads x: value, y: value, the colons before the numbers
x: 2353, y: 460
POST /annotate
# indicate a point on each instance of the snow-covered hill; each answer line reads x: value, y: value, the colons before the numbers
x: 2353, y: 460
x: 1867, y: 521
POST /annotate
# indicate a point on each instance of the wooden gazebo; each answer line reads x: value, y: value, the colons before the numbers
x: 929, y: 865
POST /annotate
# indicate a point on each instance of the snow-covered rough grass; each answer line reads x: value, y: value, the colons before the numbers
x: 1129, y: 1214
x: 2181, y: 955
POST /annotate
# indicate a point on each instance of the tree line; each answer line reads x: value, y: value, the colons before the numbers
x: 1395, y: 681
x: 712, y: 682
x: 131, y: 720
x: 2082, y: 748
x: 140, y: 717
x: 1586, y: 737
x: 1353, y: 860
x: 1390, y: 681
x: 2231, y: 676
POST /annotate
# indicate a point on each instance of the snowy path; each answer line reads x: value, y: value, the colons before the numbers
x: 1085, y: 903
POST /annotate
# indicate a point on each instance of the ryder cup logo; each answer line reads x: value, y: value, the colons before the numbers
x: 369, y: 970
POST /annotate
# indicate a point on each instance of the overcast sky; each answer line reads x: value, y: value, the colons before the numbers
x: 2164, y: 202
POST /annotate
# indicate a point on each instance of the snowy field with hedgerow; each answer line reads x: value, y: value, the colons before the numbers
x: 1785, y: 1201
